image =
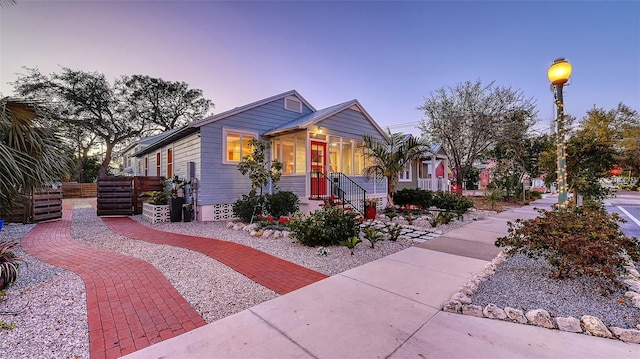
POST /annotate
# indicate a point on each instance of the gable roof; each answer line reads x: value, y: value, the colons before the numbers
x: 148, y: 141
x: 317, y: 116
x: 237, y: 110
x: 175, y: 135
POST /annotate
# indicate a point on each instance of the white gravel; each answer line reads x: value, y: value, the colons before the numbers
x: 54, y: 322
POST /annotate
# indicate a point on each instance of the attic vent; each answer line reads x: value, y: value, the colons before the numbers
x: 292, y: 104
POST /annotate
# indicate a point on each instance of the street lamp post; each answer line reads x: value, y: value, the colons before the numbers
x: 559, y: 74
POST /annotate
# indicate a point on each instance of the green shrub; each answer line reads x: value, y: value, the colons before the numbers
x: 534, y: 195
x: 372, y: 234
x: 351, y: 243
x: 451, y: 202
x: 445, y: 217
x: 584, y: 241
x: 394, y: 231
x: 415, y: 196
x: 324, y: 227
x: 248, y: 208
x: 283, y: 203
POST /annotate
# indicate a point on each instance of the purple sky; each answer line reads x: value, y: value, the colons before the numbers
x: 388, y: 55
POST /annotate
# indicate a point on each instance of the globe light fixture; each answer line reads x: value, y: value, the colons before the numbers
x: 559, y: 74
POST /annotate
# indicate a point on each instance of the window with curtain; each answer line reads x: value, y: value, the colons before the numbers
x: 158, y: 164
x: 169, y: 163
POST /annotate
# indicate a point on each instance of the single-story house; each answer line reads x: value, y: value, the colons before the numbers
x: 132, y: 167
x: 430, y: 171
x: 321, y: 152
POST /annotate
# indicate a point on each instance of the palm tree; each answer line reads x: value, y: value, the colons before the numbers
x: 390, y: 155
x: 30, y: 153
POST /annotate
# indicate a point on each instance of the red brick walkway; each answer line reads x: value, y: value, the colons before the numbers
x: 272, y: 272
x: 130, y: 304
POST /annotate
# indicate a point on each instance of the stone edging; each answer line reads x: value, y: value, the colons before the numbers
x: 460, y: 302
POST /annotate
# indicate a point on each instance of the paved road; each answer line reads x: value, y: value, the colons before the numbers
x: 627, y: 204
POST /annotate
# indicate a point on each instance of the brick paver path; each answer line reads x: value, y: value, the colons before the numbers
x: 130, y: 304
x: 272, y: 272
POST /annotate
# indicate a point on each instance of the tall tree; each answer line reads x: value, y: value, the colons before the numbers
x: 390, y: 156
x: 166, y: 104
x: 30, y: 153
x: 516, y: 157
x: 593, y: 149
x: 116, y: 113
x: 629, y: 141
x: 471, y: 117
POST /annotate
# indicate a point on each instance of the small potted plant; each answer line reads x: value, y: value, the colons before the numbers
x: 187, y: 212
x: 176, y: 198
x: 370, y: 208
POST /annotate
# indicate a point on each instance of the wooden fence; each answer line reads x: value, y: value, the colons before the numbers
x: 142, y: 185
x: 115, y: 196
x: 41, y: 206
x: 79, y: 190
x: 119, y: 195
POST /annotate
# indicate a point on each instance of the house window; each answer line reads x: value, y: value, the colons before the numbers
x: 334, y: 154
x: 405, y: 175
x: 290, y: 150
x: 158, y: 164
x: 292, y: 103
x: 236, y: 146
x: 146, y: 166
x: 169, y: 163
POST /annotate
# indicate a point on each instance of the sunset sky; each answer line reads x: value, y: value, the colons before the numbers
x: 388, y: 55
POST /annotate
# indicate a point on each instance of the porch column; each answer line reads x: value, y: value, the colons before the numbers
x: 434, y: 180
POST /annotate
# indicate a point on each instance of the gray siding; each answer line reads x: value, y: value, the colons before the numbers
x: 223, y: 183
x: 349, y: 123
x: 293, y: 183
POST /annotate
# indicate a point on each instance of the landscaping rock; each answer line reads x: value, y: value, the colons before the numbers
x: 230, y: 224
x: 632, y: 273
x: 285, y: 234
x: 462, y: 298
x: 238, y: 226
x: 540, y: 317
x: 634, y: 285
x: 277, y: 234
x: 569, y: 324
x: 471, y: 309
x: 494, y: 312
x: 515, y: 314
x: 267, y: 233
x: 253, y: 233
x: 595, y: 326
x: 452, y: 306
x: 626, y: 335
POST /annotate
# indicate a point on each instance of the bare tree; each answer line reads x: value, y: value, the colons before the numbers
x: 166, y: 104
x: 471, y: 118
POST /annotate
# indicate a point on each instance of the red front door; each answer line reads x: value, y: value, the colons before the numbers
x: 318, y: 164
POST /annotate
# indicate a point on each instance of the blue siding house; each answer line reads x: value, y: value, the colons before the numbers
x: 310, y: 143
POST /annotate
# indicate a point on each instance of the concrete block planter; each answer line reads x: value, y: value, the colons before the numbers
x: 155, y: 213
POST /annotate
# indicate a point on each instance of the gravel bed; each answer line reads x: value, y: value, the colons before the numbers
x: 214, y: 290
x: 54, y: 321
x: 524, y: 283
x: 339, y: 259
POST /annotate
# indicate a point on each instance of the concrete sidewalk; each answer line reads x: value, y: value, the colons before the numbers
x: 389, y: 308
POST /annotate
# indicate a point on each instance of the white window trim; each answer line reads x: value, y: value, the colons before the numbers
x: 294, y: 98
x: 226, y: 131
x: 404, y: 170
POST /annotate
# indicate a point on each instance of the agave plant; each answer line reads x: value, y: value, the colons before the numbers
x: 351, y: 243
x: 9, y: 264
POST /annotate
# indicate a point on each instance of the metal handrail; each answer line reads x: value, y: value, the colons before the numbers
x: 342, y: 187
